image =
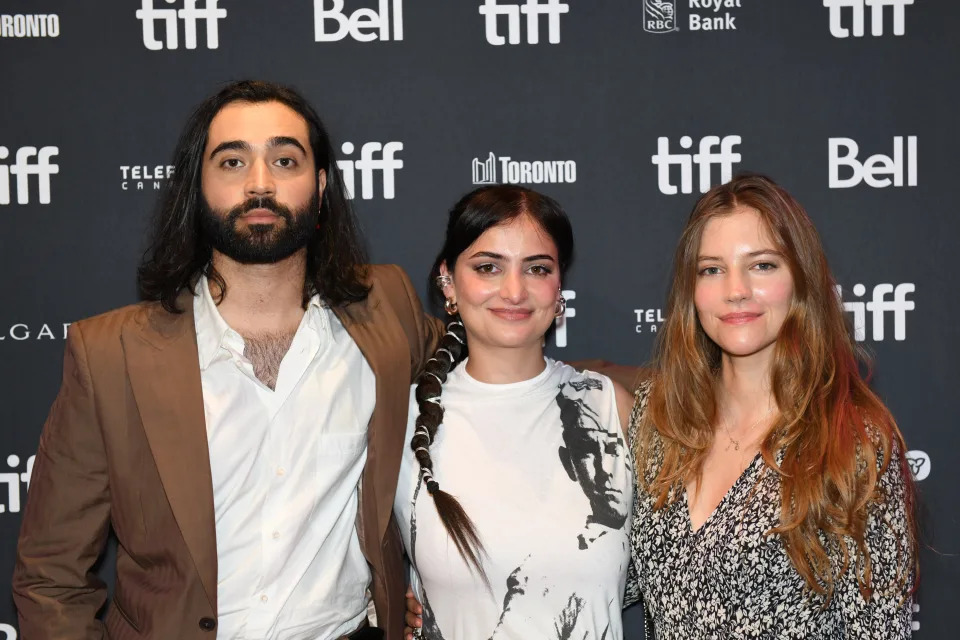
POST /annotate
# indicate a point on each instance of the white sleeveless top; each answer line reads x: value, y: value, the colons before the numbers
x: 543, y: 470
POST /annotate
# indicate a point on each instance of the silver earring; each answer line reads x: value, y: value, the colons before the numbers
x: 561, y: 307
x: 444, y: 280
x: 450, y: 306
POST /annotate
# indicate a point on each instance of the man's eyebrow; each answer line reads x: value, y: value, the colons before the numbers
x: 231, y: 145
x: 279, y: 141
x: 243, y: 145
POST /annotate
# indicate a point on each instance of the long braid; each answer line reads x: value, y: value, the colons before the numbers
x: 450, y: 352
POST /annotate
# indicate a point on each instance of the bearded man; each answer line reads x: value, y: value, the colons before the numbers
x: 240, y: 430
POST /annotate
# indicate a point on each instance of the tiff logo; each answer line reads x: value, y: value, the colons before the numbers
x: 843, y: 153
x: 837, y: 30
x: 878, y: 307
x: 23, y: 169
x: 387, y: 164
x: 13, y: 481
x: 364, y: 25
x: 560, y: 336
x: 189, y: 14
x: 704, y: 159
x: 533, y: 9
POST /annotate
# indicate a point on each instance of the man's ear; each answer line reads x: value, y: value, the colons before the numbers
x: 567, y: 462
x: 321, y: 183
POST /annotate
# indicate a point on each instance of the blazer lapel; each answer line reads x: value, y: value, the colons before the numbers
x: 383, y: 344
x: 164, y: 370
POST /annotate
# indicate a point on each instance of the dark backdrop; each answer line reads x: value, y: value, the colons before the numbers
x: 621, y: 109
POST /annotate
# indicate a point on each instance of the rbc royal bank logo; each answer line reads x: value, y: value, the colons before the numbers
x: 898, y: 169
x: 532, y: 9
x: 659, y: 16
x: 30, y: 161
x: 919, y: 463
x: 363, y: 24
x: 189, y: 14
x: 376, y: 158
x: 706, y: 157
x: 857, y: 9
x: 523, y: 171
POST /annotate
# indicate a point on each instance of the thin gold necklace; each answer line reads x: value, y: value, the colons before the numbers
x: 736, y: 443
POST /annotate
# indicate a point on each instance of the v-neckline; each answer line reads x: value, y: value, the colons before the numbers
x: 723, y: 500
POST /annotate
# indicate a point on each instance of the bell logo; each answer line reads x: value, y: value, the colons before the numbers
x: 533, y: 9
x: 387, y: 164
x: 364, y: 25
x: 843, y: 153
x: 704, y: 159
x: 857, y: 10
x: 211, y: 13
x: 23, y: 168
x: 560, y: 336
x: 878, y: 307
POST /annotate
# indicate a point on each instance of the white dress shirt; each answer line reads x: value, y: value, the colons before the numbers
x: 286, y: 465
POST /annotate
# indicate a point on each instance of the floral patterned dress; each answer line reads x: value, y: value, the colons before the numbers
x: 731, y: 579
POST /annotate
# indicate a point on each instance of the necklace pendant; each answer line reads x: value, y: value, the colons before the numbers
x: 734, y: 444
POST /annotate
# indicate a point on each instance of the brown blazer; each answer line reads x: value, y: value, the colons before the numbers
x: 125, y: 445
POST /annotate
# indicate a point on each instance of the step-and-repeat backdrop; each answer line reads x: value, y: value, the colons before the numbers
x: 623, y: 110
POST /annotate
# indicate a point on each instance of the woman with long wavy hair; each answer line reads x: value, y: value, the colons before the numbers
x: 774, y: 497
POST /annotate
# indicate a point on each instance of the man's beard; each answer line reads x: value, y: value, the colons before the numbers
x: 259, y: 243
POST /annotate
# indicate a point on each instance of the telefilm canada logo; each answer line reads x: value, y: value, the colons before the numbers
x: 14, y: 478
x: 510, y: 171
x: 28, y: 161
x: 886, y: 301
x: 364, y: 24
x: 170, y: 20
x: 144, y: 177
x: 856, y: 11
x: 648, y: 320
x: 532, y: 12
x: 32, y: 25
x: 660, y: 16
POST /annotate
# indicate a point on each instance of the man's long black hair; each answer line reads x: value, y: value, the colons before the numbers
x: 178, y: 253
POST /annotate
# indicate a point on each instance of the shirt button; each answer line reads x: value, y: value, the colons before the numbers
x: 208, y: 624
x: 264, y: 598
x: 281, y: 471
x: 276, y: 535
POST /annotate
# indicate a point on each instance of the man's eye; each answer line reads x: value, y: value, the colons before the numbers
x: 231, y: 163
x: 287, y: 163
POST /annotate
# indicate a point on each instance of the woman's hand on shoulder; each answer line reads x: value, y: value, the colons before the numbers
x: 413, y: 617
x: 624, y: 406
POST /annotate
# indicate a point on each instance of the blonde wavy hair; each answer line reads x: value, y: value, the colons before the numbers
x: 835, y: 434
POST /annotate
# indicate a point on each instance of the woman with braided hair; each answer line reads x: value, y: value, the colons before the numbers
x: 515, y: 492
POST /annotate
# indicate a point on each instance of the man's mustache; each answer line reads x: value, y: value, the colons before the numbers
x: 260, y: 202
